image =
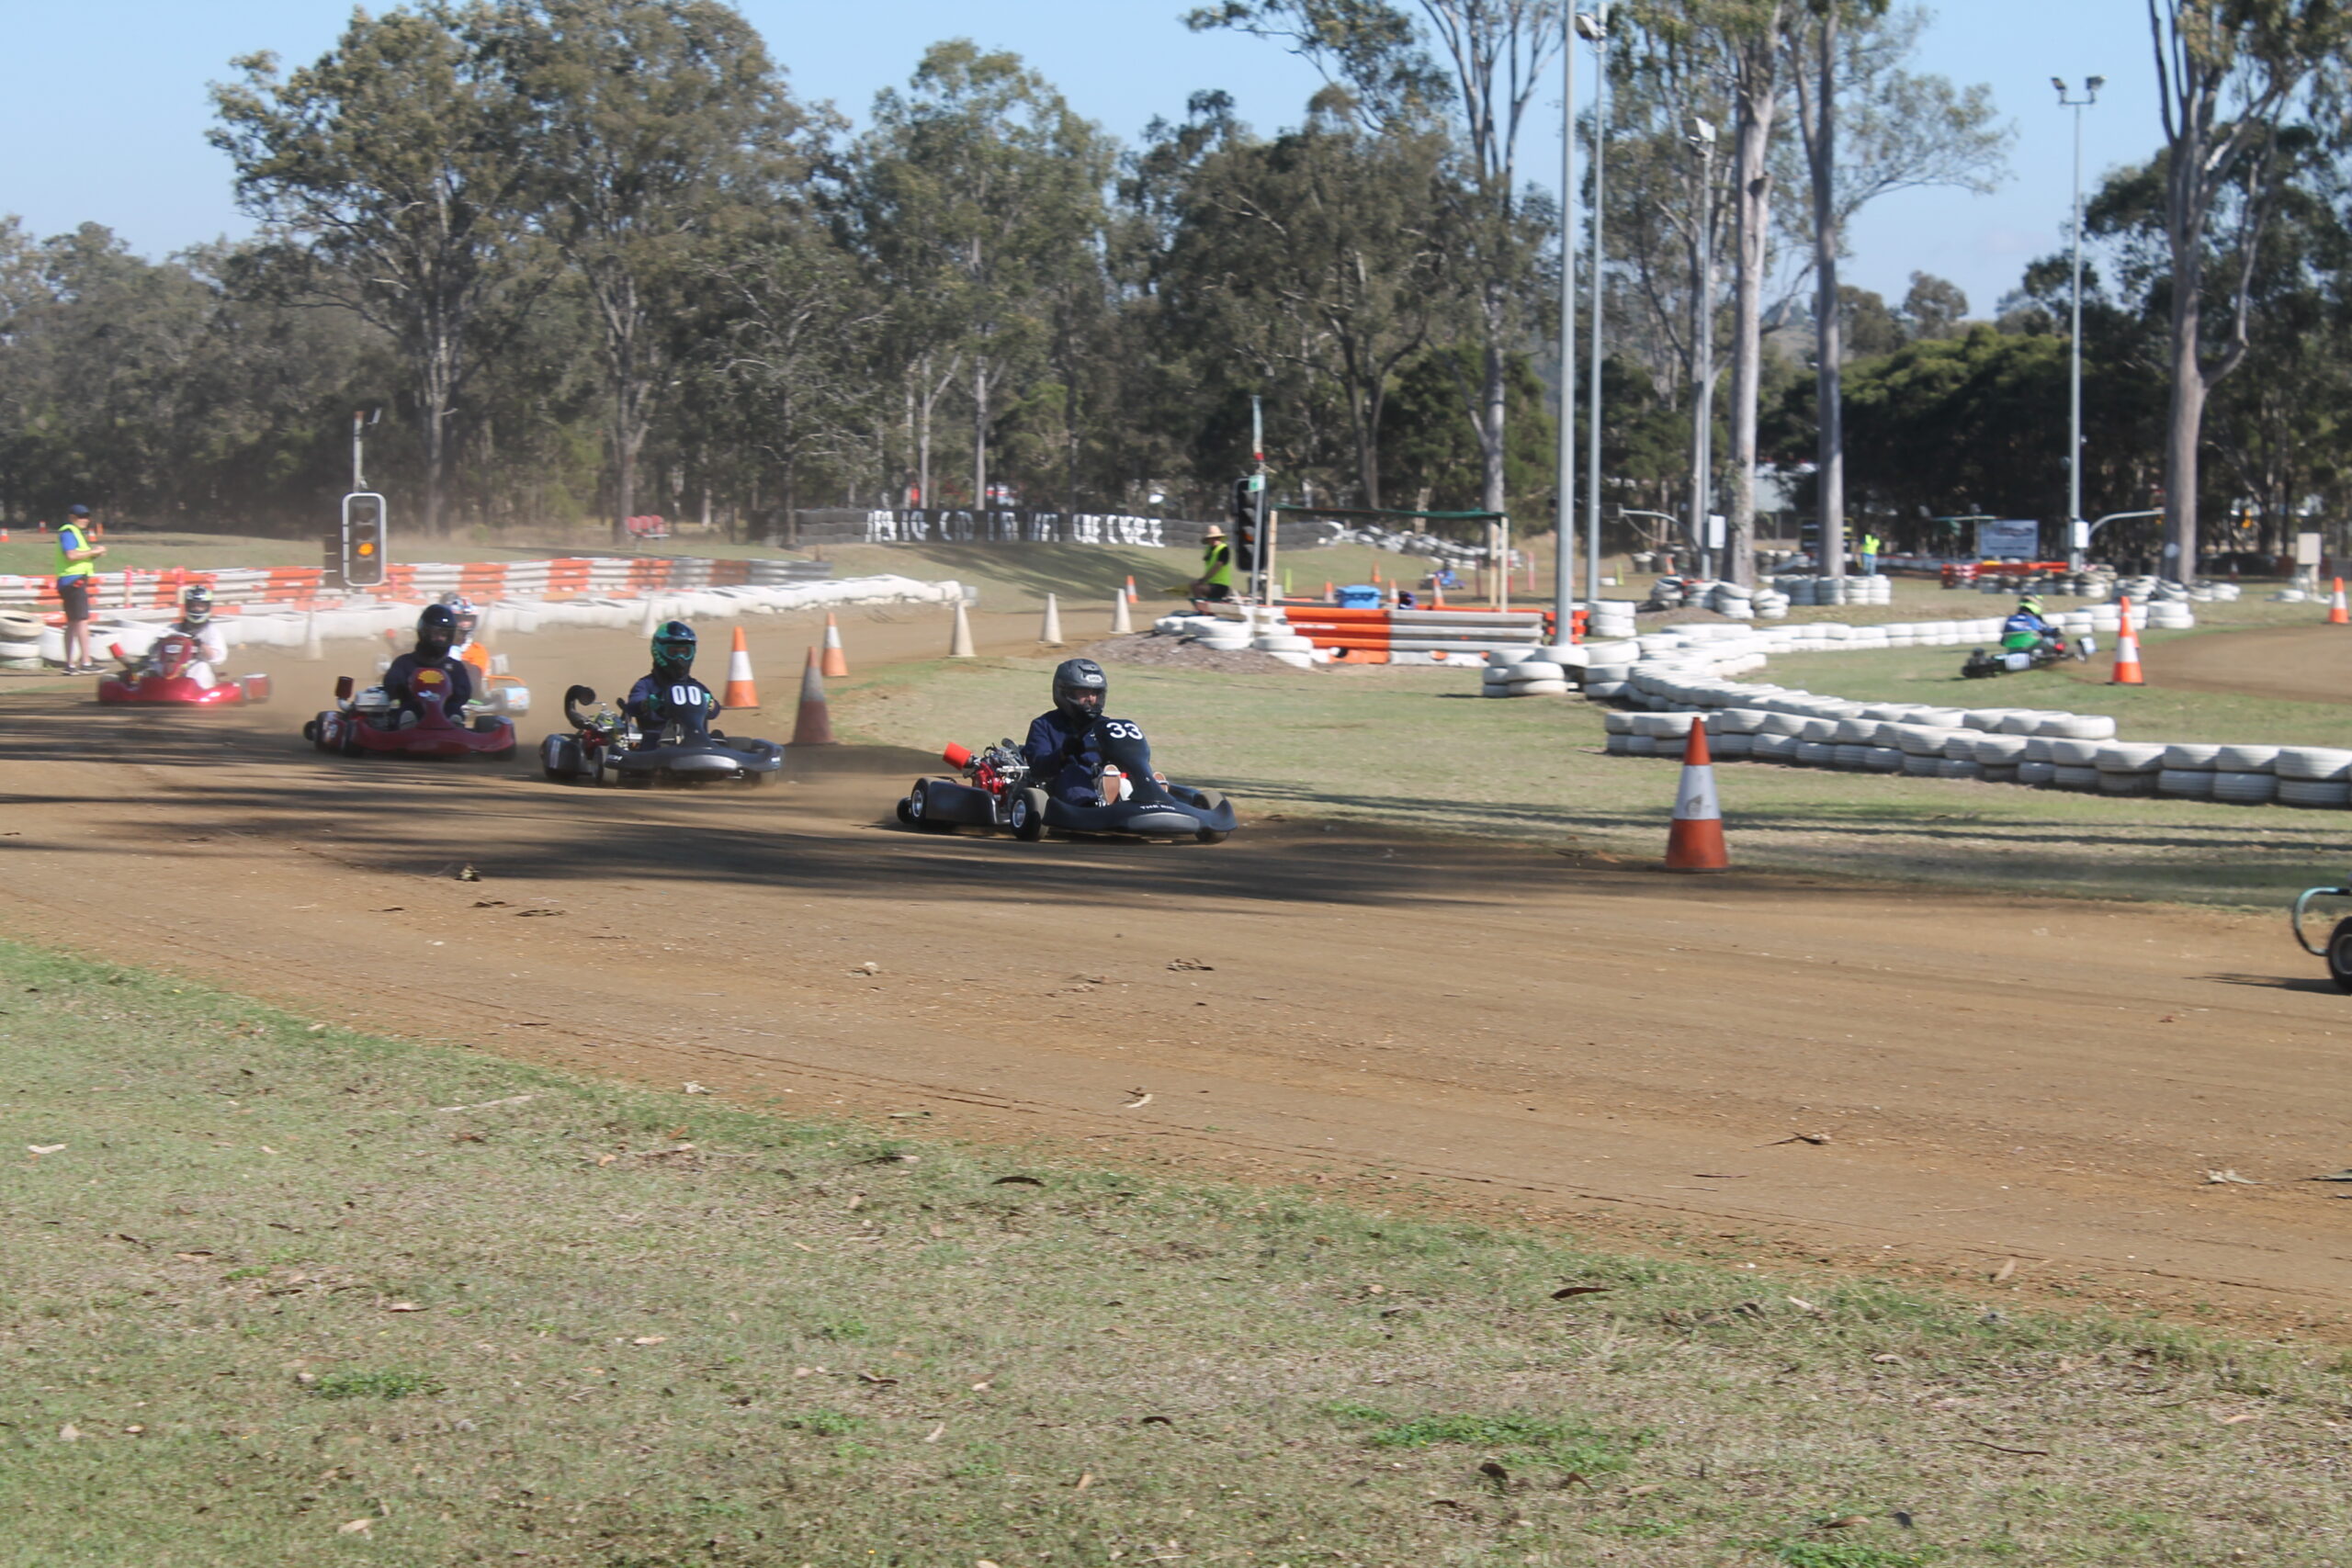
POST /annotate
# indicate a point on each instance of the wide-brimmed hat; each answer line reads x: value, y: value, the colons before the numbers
x: 1216, y: 532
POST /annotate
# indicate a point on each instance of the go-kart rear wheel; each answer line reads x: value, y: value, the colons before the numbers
x: 1212, y: 800
x: 1028, y: 815
x: 560, y: 757
x: 2339, y: 955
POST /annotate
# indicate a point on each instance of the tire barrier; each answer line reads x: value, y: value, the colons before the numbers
x: 1663, y: 679
x: 361, y: 615
x: 293, y: 587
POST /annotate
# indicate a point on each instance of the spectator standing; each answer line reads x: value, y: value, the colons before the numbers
x: 76, y: 566
x: 1869, y: 555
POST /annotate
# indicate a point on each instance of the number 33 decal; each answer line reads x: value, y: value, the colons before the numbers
x: 1120, y: 730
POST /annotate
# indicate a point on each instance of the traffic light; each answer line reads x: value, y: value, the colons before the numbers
x: 1247, y: 491
x: 363, y: 539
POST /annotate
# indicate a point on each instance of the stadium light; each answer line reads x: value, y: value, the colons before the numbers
x: 2066, y: 100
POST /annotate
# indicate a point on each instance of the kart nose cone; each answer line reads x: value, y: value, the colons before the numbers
x: 701, y: 764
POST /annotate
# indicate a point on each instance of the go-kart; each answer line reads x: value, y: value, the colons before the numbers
x: 373, y: 723
x: 606, y: 749
x: 2056, y: 648
x: 2339, y: 951
x: 993, y: 791
x: 160, y: 676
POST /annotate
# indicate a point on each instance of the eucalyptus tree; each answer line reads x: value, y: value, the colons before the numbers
x: 390, y: 179
x: 2228, y: 72
x: 1871, y: 127
x: 1321, y: 253
x: 652, y: 128
x: 980, y: 196
x: 1484, y: 63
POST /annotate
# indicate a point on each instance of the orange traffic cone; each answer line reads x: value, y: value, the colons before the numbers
x: 836, y: 663
x: 1695, y: 842
x: 814, y: 726
x: 1132, y: 597
x: 2335, y: 612
x: 1437, y: 593
x: 2127, y: 653
x: 1330, y: 597
x: 740, y: 690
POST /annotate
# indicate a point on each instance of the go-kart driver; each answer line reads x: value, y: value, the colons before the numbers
x: 463, y: 644
x: 1064, y: 755
x: 660, y: 696
x: 2025, y: 629
x: 436, y: 631
x: 195, y: 623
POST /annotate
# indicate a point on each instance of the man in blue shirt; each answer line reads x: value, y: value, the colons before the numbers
x: 669, y: 690
x: 2023, y: 631
x: 76, y: 557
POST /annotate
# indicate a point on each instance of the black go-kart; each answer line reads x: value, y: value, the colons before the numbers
x: 2054, y: 648
x: 994, y: 792
x: 605, y: 748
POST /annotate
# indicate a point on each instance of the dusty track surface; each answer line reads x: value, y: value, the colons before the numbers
x: 2309, y: 663
x: 1487, y: 1026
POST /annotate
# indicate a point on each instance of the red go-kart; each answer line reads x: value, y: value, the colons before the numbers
x: 161, y: 676
x: 372, y: 723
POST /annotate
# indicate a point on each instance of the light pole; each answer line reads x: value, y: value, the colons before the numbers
x: 1593, y: 27
x: 2066, y: 100
x: 1563, y: 565
x: 1703, y: 390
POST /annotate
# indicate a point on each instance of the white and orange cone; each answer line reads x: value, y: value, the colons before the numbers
x: 959, y: 641
x: 1695, y: 842
x: 1122, y: 623
x: 814, y: 724
x: 1132, y: 596
x: 1050, y: 634
x: 740, y: 690
x: 836, y: 661
x: 2127, y: 653
x: 2336, y: 614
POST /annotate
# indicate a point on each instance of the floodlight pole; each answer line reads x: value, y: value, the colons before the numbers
x: 2074, y: 376
x: 1594, y: 26
x: 1563, y: 565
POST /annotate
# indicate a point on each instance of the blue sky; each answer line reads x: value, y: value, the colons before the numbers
x: 103, y: 103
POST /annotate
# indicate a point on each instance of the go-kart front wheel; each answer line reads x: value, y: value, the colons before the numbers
x: 915, y: 809
x: 2339, y: 955
x: 1028, y: 815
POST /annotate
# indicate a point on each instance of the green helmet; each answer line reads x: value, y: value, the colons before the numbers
x: 2029, y: 605
x: 674, y: 649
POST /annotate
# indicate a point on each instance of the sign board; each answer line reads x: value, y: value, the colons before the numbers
x: 1716, y: 531
x: 2080, y: 531
x: 1997, y: 540
x: 363, y: 539
x: 2308, y: 550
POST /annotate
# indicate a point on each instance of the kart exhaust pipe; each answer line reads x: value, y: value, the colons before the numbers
x: 956, y: 756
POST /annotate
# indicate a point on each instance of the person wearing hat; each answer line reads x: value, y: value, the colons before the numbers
x: 1214, y: 585
x: 76, y: 558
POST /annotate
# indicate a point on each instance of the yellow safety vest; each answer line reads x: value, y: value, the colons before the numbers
x: 70, y: 537
x: 1217, y: 562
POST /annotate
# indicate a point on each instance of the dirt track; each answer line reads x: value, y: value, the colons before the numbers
x: 1634, y: 1054
x: 2306, y: 663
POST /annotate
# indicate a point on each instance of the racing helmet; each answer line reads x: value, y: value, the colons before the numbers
x: 1080, y: 689
x: 2031, y: 604
x: 467, y: 617
x: 196, y: 605
x: 436, y: 630
x: 674, y: 649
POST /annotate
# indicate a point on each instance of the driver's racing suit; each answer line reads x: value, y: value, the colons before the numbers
x: 1065, y: 759
x: 400, y: 683
x: 2023, y: 632
x: 211, y: 651
x: 650, y: 703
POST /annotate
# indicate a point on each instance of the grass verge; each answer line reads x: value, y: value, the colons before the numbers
x: 279, y: 1293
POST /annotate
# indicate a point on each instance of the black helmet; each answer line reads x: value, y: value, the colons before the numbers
x: 1080, y: 689
x: 436, y: 630
x: 468, y: 617
x: 674, y: 649
x: 196, y: 605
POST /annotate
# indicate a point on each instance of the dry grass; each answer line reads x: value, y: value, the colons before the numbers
x: 271, y: 1303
